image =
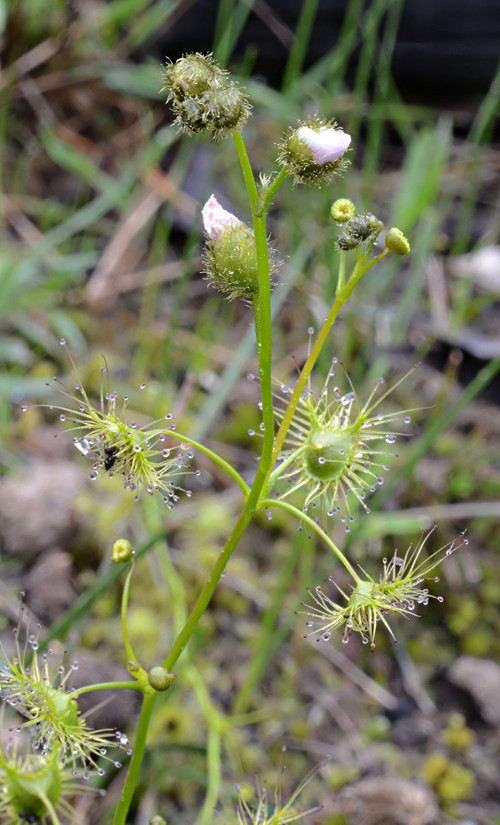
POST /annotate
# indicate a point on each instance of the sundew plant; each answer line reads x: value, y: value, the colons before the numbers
x: 322, y: 452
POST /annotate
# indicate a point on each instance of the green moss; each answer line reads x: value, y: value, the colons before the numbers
x: 457, y: 735
x: 451, y: 781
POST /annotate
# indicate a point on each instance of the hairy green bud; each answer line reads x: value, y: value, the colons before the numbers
x: 190, y: 76
x: 396, y: 242
x: 230, y: 255
x: 230, y: 262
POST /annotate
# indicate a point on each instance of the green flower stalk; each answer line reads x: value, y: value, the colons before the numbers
x: 139, y: 454
x: 332, y: 450
x: 313, y: 152
x: 40, y: 693
x: 203, y: 97
x: 399, y: 591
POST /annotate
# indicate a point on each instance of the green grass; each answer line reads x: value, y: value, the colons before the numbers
x: 79, y: 178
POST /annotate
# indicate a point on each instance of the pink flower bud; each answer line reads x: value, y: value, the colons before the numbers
x: 327, y: 145
x: 217, y: 220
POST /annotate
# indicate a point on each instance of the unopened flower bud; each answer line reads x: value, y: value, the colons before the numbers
x: 122, y: 551
x: 342, y: 210
x: 314, y: 152
x: 157, y: 820
x: 396, y: 242
x: 160, y: 679
x: 358, y: 229
x: 189, y: 76
x: 230, y: 255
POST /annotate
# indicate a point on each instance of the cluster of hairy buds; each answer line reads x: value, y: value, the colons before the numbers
x: 314, y: 151
x: 230, y: 255
x: 360, y: 228
x: 203, y: 97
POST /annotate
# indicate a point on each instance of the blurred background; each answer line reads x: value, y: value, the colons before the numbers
x: 101, y: 243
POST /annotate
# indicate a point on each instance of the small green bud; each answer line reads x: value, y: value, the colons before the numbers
x: 396, y: 242
x: 122, y: 551
x: 342, y: 210
x: 157, y: 820
x: 159, y: 678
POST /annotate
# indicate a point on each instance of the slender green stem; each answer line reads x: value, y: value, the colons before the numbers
x: 136, y: 761
x: 210, y: 585
x: 263, y: 329
x: 246, y: 168
x: 341, y: 275
x: 262, y: 309
x: 215, y: 457
x: 284, y: 505
x: 123, y: 612
x: 362, y: 267
x: 108, y: 686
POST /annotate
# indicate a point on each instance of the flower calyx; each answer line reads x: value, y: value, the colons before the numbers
x: 314, y: 151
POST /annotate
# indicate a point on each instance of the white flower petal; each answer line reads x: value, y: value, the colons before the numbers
x: 216, y: 219
x: 327, y: 145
